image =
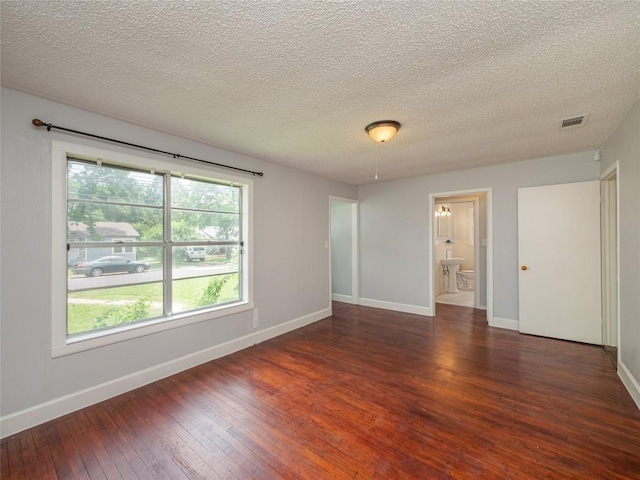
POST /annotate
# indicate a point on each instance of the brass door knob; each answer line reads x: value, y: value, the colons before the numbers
x: 523, y: 267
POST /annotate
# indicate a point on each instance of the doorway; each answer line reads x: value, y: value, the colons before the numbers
x: 609, y: 229
x: 343, y: 253
x: 456, y: 249
x: 460, y: 246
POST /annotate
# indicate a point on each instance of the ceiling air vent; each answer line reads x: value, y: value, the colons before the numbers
x: 574, y: 122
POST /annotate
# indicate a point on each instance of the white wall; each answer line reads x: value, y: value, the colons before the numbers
x: 624, y: 147
x: 341, y: 248
x: 394, y: 227
x: 291, y: 263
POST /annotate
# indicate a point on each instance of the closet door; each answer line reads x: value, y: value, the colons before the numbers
x: 559, y: 255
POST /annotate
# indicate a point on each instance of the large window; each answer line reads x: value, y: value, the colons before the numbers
x: 146, y: 248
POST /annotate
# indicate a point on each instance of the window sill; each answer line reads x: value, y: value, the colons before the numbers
x: 89, y: 341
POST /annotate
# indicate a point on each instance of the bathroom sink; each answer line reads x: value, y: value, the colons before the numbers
x: 449, y: 262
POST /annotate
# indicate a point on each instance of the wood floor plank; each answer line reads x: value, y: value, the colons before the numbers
x: 210, y: 420
x: 130, y: 413
x: 77, y: 454
x: 106, y: 442
x: 217, y: 452
x: 29, y: 455
x: 253, y: 433
x: 363, y: 394
x: 43, y: 453
x: 185, y: 451
x: 56, y: 445
x: 13, y: 458
x: 4, y: 464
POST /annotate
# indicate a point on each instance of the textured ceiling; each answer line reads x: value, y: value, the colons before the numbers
x: 295, y: 82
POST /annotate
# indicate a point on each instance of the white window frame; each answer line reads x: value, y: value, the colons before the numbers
x: 126, y: 246
x: 62, y: 345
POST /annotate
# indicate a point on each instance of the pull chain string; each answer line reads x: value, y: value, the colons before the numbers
x: 376, y: 176
x: 378, y: 154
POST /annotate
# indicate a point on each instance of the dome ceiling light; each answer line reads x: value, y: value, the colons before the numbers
x: 383, y: 130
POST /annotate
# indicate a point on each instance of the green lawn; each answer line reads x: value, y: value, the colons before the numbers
x: 99, y: 309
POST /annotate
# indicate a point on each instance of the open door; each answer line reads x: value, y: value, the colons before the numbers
x: 609, y: 222
x: 559, y: 254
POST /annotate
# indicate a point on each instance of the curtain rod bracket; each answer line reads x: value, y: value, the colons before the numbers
x: 39, y: 123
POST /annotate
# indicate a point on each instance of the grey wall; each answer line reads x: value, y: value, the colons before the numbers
x: 291, y: 263
x: 341, y: 248
x: 624, y: 146
x: 394, y: 226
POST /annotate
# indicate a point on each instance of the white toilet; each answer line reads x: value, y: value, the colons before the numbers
x: 466, y: 279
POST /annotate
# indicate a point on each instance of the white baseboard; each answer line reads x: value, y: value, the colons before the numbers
x: 336, y: 297
x: 630, y: 382
x: 30, y: 417
x: 504, y: 323
x: 398, y: 307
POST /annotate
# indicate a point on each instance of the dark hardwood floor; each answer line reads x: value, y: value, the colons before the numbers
x: 364, y: 394
x: 612, y: 353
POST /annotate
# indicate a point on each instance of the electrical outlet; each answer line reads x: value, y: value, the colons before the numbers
x: 256, y: 318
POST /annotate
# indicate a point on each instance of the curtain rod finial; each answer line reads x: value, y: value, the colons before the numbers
x: 37, y: 122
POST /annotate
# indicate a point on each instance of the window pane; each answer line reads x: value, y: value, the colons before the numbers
x: 202, y: 292
x: 196, y: 194
x: 93, y: 222
x: 123, y: 249
x: 224, y: 256
x: 200, y: 261
x: 186, y: 226
x: 102, y: 268
x: 111, y: 307
x: 87, y: 181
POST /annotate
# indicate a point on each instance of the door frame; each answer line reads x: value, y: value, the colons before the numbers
x: 610, y: 256
x: 355, y: 251
x: 488, y: 192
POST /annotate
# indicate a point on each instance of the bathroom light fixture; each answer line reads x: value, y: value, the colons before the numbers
x: 443, y: 212
x: 383, y: 130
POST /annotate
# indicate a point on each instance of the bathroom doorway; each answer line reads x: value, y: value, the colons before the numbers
x: 459, y: 248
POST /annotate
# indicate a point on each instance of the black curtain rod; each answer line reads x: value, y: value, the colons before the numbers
x: 39, y: 123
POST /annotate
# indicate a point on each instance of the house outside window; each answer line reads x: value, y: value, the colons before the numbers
x: 160, y: 248
x: 128, y: 250
x: 123, y: 249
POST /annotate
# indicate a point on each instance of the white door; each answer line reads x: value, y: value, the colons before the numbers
x: 559, y: 255
x: 609, y: 237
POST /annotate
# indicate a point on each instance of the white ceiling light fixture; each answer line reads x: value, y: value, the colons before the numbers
x: 383, y: 130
